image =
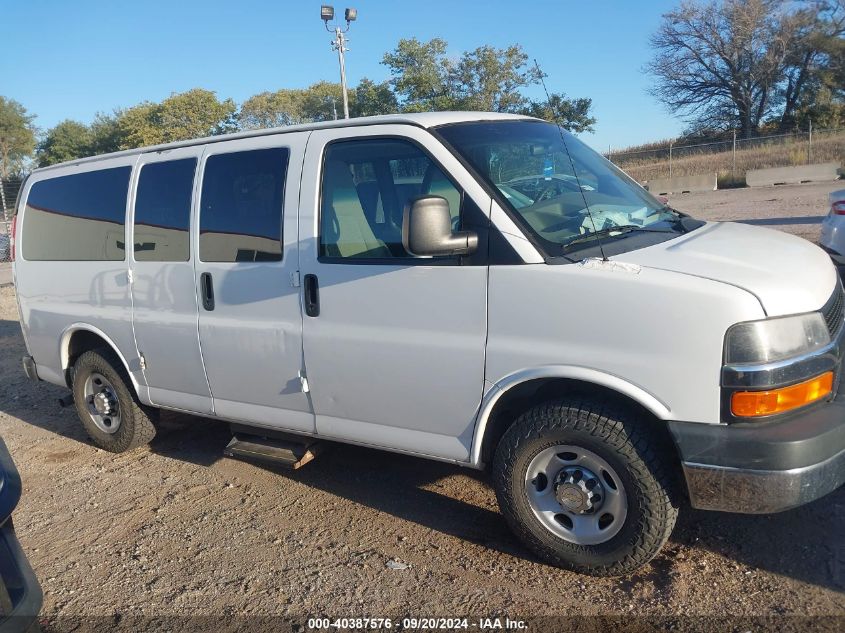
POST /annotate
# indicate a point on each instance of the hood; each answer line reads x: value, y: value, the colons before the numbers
x: 786, y: 273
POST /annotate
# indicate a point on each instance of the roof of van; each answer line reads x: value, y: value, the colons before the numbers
x: 420, y: 119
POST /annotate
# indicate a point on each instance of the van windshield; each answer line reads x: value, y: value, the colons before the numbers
x: 561, y: 190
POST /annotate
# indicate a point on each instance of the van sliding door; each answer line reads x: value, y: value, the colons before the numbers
x: 250, y: 323
x: 165, y: 315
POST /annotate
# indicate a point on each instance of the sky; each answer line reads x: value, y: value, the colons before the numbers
x: 67, y: 59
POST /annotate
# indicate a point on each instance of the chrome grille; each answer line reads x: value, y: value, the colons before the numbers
x: 832, y: 311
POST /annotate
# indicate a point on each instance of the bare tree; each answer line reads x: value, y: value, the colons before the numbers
x: 720, y: 64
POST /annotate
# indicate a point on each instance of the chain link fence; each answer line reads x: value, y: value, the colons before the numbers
x: 9, y: 188
x: 730, y: 158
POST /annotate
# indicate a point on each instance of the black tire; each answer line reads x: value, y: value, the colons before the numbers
x: 640, y: 458
x: 136, y: 420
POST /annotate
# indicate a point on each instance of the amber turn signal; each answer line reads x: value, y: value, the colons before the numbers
x: 746, y: 404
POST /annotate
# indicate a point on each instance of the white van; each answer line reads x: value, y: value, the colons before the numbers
x: 476, y: 288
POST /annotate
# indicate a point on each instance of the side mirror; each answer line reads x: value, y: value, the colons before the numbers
x: 427, y: 230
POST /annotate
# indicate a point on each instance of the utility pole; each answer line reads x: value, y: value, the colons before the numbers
x: 339, y: 45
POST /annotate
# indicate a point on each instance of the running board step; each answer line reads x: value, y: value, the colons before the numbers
x: 292, y: 453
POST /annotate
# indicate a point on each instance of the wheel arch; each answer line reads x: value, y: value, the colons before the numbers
x: 515, y: 392
x: 82, y: 337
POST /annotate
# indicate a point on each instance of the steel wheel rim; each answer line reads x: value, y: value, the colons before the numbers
x: 565, y: 504
x: 102, y: 403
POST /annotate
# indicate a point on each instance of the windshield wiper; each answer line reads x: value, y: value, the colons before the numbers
x: 621, y: 230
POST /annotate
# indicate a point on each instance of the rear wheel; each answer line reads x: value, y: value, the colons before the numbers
x: 107, y: 405
x: 586, y: 487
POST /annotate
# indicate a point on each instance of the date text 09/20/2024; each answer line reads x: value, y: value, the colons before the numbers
x: 446, y: 624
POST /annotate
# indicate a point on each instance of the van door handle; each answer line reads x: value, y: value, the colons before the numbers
x: 312, y: 295
x: 207, y: 289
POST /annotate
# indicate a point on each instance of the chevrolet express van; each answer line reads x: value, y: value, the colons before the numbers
x: 481, y: 289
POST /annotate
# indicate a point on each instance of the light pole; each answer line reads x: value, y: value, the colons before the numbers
x: 339, y: 44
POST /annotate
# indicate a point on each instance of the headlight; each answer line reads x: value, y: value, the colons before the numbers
x: 775, y: 339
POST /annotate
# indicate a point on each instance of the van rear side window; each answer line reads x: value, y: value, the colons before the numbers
x: 80, y: 217
x: 241, y: 206
x: 163, y: 211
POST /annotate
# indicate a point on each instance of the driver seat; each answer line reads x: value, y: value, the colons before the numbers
x: 345, y: 230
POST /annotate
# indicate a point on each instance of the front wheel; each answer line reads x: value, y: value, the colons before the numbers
x: 586, y: 487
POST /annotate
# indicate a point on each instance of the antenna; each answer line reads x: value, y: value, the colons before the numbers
x: 554, y: 113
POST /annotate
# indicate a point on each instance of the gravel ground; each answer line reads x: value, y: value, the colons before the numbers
x: 176, y: 529
x: 798, y: 209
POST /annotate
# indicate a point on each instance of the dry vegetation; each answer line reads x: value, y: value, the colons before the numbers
x: 827, y: 147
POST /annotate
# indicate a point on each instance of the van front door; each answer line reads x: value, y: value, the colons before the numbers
x: 164, y: 302
x: 250, y: 324
x: 394, y: 345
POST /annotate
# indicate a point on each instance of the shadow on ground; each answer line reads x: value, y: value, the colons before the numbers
x: 802, y: 544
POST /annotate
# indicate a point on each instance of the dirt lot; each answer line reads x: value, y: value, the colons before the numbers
x: 798, y: 209
x: 177, y: 529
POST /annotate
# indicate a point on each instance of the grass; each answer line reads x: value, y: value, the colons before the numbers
x: 828, y: 147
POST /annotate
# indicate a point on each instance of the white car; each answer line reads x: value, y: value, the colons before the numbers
x: 833, y: 226
x: 374, y: 281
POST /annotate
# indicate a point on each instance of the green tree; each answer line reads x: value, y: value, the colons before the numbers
x: 321, y: 100
x: 66, y: 141
x: 272, y: 109
x: 571, y: 114
x: 485, y: 79
x: 17, y: 137
x: 106, y: 133
x: 371, y: 98
x: 490, y: 79
x: 422, y: 75
x: 192, y: 114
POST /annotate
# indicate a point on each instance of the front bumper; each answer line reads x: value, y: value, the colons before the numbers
x: 766, y: 466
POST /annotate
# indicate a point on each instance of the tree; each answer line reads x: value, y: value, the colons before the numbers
x: 422, y: 75
x: 192, y: 114
x: 272, y: 109
x: 319, y: 102
x: 322, y: 100
x: 106, y: 133
x: 66, y: 141
x: 486, y: 79
x: 490, y: 79
x: 371, y: 98
x: 571, y: 114
x: 814, y: 76
x: 726, y: 64
x: 17, y: 137
x: 719, y: 63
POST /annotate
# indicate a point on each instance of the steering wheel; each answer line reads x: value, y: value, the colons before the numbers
x: 555, y: 189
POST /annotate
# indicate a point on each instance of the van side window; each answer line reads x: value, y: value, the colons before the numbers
x: 163, y: 211
x: 80, y: 217
x: 366, y: 185
x: 241, y: 206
